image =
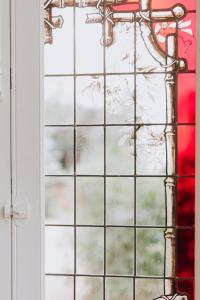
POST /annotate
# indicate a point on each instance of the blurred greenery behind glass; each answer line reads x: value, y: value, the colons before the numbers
x: 122, y: 200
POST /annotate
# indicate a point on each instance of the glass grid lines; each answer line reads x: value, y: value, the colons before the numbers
x: 135, y: 227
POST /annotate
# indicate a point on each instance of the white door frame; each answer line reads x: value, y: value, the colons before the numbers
x: 5, y: 176
x: 27, y: 262
x: 27, y: 139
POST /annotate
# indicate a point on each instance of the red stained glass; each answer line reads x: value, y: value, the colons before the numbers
x: 185, y: 201
x: 187, y: 40
x: 185, y: 253
x: 186, y: 287
x: 186, y: 98
x: 186, y: 150
x: 161, y: 4
x: 157, y: 4
x: 178, y: 209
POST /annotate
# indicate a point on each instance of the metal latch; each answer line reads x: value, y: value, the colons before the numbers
x: 16, y: 211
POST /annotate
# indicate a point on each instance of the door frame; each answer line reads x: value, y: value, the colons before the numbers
x: 27, y: 148
x: 5, y: 164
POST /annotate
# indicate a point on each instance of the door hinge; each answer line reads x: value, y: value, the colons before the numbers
x: 16, y: 211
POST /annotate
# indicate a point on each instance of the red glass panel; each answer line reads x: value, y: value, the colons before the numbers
x: 187, y: 40
x: 186, y: 150
x: 186, y: 287
x: 185, y: 201
x: 161, y: 4
x: 186, y: 98
x: 185, y: 253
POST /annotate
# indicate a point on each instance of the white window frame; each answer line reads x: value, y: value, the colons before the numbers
x: 5, y: 182
x: 26, y: 236
x: 27, y: 138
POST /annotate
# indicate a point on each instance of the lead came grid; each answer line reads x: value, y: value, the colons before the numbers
x: 106, y: 231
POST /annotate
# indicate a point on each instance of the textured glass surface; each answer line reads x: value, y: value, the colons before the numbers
x: 89, y: 288
x: 120, y: 99
x: 120, y: 150
x: 150, y: 99
x: 151, y: 150
x: 90, y: 244
x: 150, y: 252
x: 90, y: 100
x: 120, y: 57
x: 119, y: 288
x: 89, y: 54
x: 120, y: 251
x: 90, y: 201
x: 59, y: 57
x: 59, y: 200
x: 59, y: 288
x: 89, y: 150
x: 59, y: 100
x: 59, y: 251
x: 148, y: 288
x: 119, y: 201
x: 59, y: 158
x: 150, y: 203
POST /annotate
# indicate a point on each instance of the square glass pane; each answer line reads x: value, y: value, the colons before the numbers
x: 59, y: 288
x: 119, y: 288
x: 90, y: 244
x: 59, y: 200
x: 89, y: 100
x: 145, y: 61
x: 90, y: 150
x: 185, y: 260
x: 150, y: 252
x: 89, y: 288
x: 59, y: 100
x: 151, y: 98
x: 186, y: 287
x: 120, y: 56
x: 150, y: 208
x: 120, y: 150
x: 59, y: 250
x: 119, y: 201
x: 59, y: 151
x: 186, y: 150
x: 89, y: 51
x: 185, y: 202
x: 149, y: 288
x: 89, y: 200
x: 120, y: 99
x: 120, y: 250
x: 59, y: 56
x: 151, y: 150
x: 186, y: 98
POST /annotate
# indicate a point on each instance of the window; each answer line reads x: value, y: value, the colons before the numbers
x: 119, y: 148
x: 112, y: 142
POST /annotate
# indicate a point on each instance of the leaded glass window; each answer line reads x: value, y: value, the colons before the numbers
x: 119, y: 149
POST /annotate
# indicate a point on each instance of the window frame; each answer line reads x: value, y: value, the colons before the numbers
x: 5, y: 183
x: 27, y: 140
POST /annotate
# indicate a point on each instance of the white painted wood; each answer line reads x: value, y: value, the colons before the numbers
x: 5, y: 181
x: 27, y: 48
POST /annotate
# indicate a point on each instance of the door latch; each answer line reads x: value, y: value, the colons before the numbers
x: 17, y: 211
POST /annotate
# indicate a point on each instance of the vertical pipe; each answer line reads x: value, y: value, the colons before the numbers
x: 170, y: 182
